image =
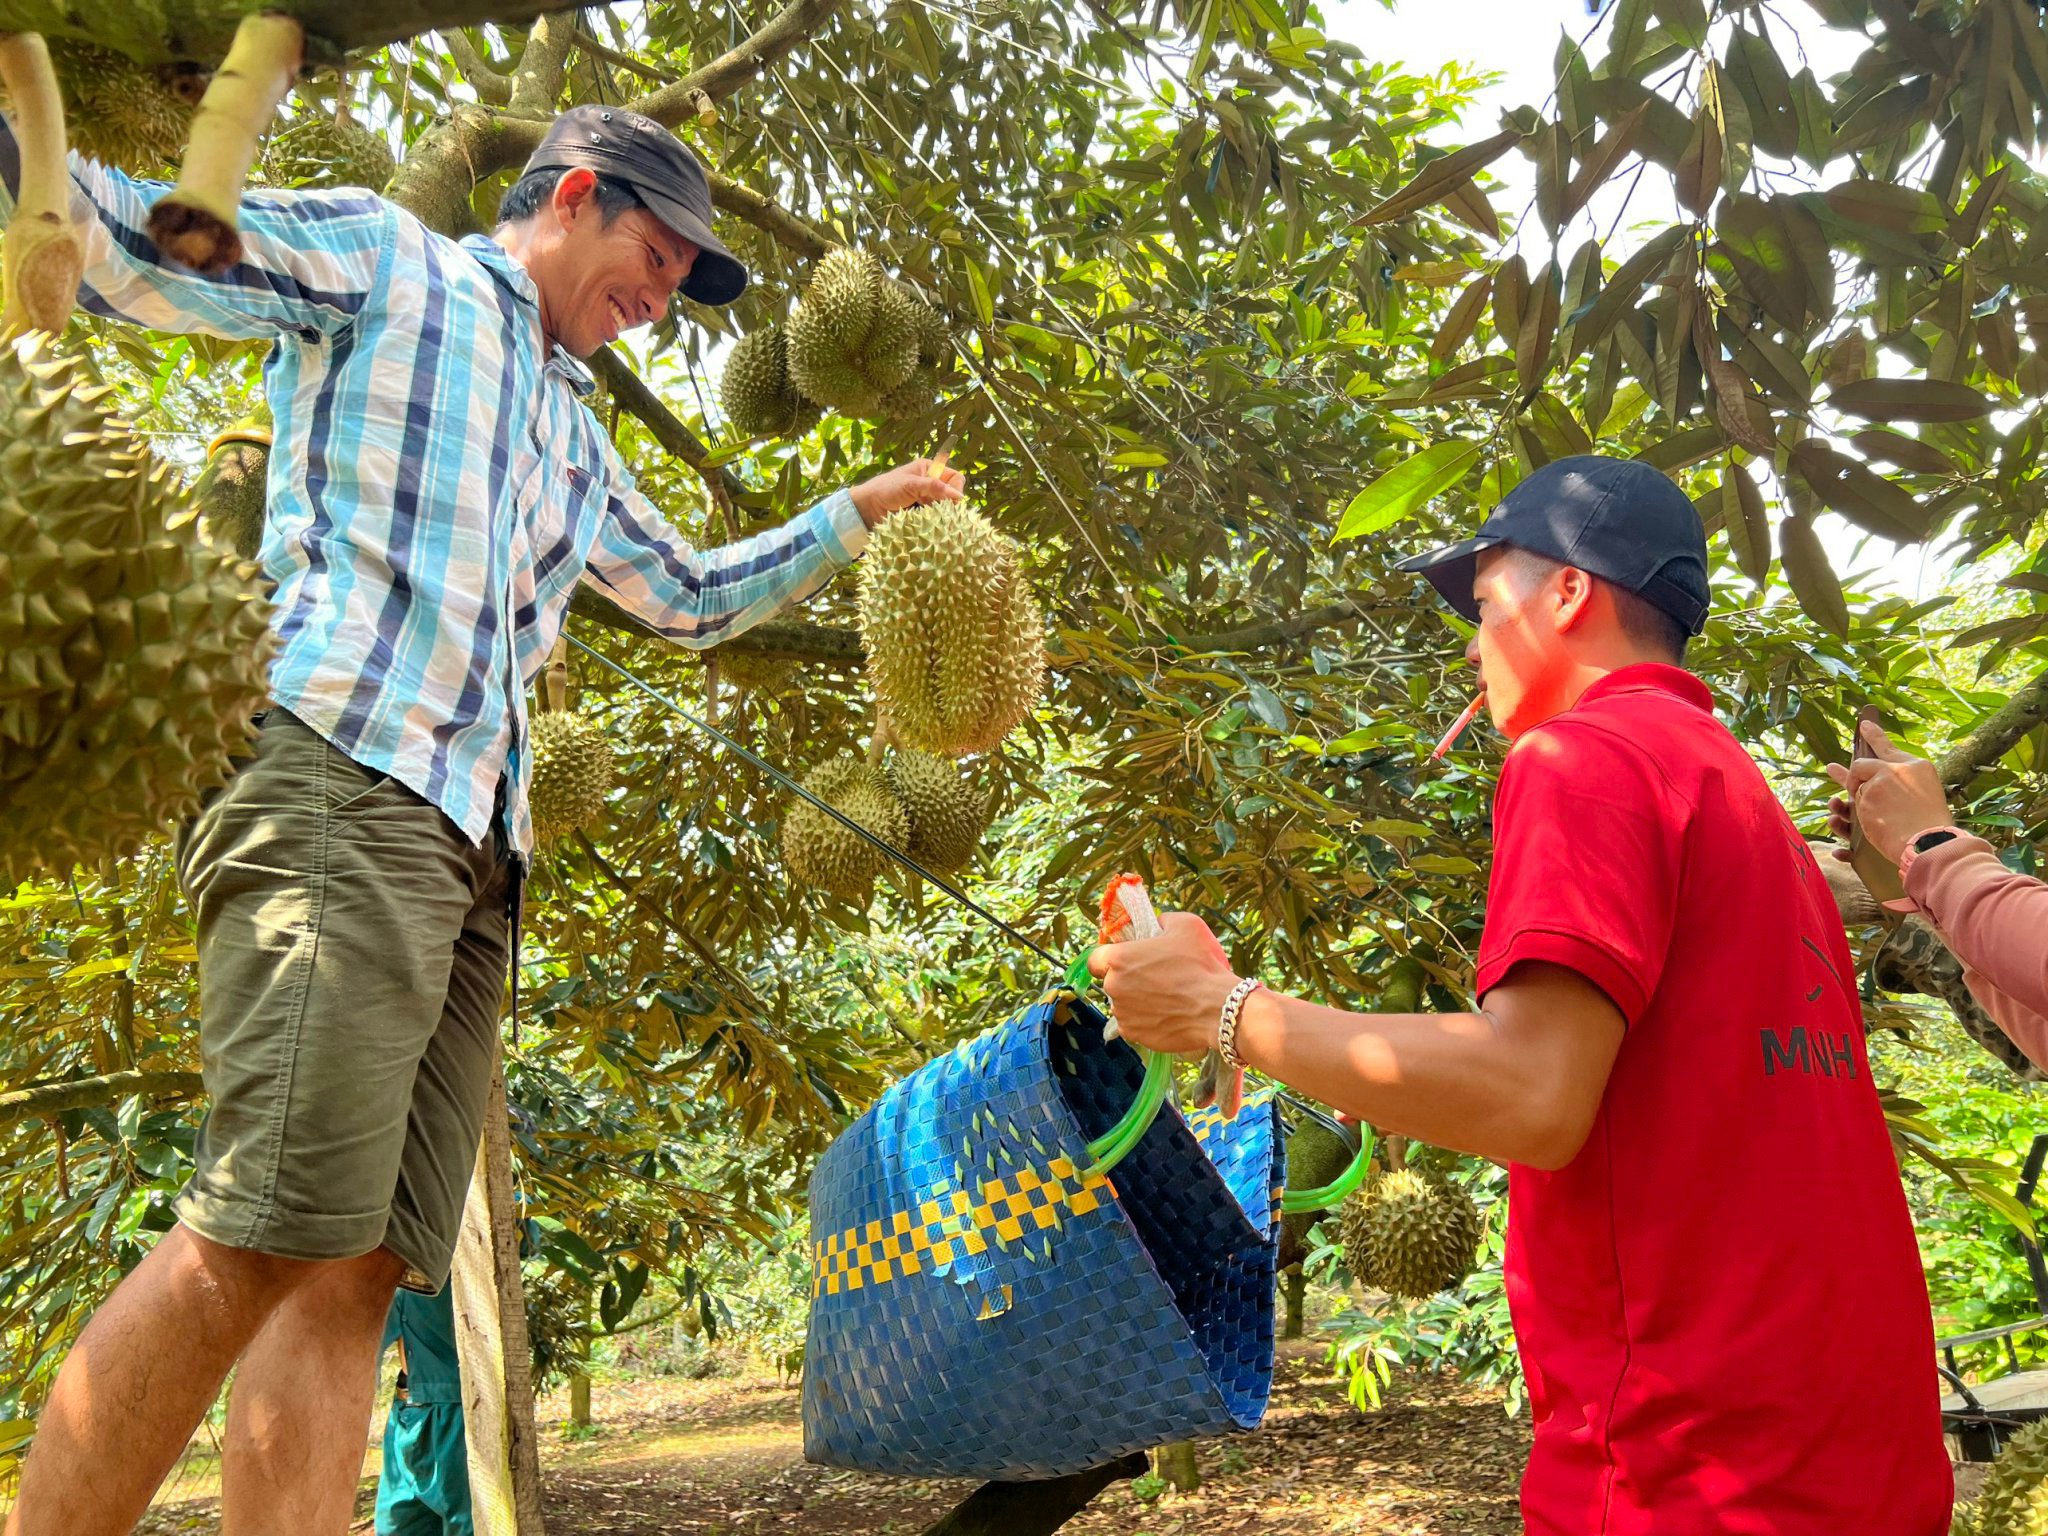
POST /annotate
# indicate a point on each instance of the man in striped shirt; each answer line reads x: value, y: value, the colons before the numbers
x: 437, y: 488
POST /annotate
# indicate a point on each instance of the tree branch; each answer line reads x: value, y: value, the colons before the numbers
x: 1259, y: 637
x: 1996, y: 736
x: 794, y: 232
x: 491, y: 85
x: 784, y: 31
x: 632, y: 393
x: 537, y: 82
x: 625, y: 61
x: 41, y: 1099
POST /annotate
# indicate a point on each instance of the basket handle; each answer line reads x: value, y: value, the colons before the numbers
x: 1117, y: 1143
x: 1296, y: 1201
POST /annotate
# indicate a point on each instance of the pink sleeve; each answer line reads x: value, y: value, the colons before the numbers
x: 1996, y: 921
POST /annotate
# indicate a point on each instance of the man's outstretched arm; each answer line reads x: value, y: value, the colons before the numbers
x: 1518, y: 1081
x: 309, y: 260
x: 699, y: 598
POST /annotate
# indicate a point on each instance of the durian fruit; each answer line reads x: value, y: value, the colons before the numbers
x: 132, y: 654
x: 230, y: 492
x: 2015, y: 1497
x: 573, y: 770
x: 124, y: 114
x: 934, y: 362
x: 956, y: 649
x: 821, y: 852
x: 1316, y: 1156
x: 752, y: 672
x: 947, y: 813
x: 854, y: 335
x: 321, y: 152
x: 756, y: 391
x: 1410, y: 1235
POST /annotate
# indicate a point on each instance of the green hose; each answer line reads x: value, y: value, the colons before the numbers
x: 1118, y: 1142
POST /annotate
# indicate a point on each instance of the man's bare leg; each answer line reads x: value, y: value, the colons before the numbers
x: 138, y: 1381
x: 299, y: 1413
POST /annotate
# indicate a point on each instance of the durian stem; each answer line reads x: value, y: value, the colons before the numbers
x: 880, y: 739
x: 555, y: 691
x: 197, y: 224
x: 45, y: 260
x: 1395, y: 1149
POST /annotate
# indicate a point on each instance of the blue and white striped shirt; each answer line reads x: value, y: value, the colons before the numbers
x: 437, y: 485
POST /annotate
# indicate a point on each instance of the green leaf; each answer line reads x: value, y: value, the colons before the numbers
x: 1267, y: 706
x: 1909, y: 400
x: 1409, y: 485
x: 1139, y: 458
x: 984, y: 301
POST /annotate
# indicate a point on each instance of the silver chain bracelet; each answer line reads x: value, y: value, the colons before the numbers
x: 1226, y: 1023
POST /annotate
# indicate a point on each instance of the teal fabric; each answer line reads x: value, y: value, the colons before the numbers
x: 424, y: 1487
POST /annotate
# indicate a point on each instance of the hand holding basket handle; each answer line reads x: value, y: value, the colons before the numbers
x: 1127, y: 913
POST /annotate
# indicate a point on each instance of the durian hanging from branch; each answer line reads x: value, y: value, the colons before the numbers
x: 820, y: 850
x: 132, y: 654
x: 232, y: 492
x: 329, y: 152
x: 132, y: 116
x: 946, y: 812
x: 955, y: 644
x: 759, y: 398
x: 853, y: 337
x: 574, y: 764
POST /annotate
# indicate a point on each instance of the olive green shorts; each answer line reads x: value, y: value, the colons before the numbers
x: 352, y: 963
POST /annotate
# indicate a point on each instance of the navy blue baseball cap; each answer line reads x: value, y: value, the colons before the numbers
x: 1619, y: 519
x: 659, y: 167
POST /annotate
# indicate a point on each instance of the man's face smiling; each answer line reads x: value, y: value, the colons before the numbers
x: 602, y: 280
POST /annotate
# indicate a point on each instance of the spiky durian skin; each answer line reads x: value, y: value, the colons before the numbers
x: 133, y: 655
x: 323, y: 153
x: 956, y: 649
x: 573, y: 770
x: 820, y: 851
x: 934, y: 362
x: 756, y: 391
x: 947, y: 813
x: 2015, y: 1497
x: 120, y: 113
x: 1410, y: 1235
x: 854, y: 335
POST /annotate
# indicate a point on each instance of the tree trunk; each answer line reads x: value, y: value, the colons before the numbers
x: 1176, y: 1463
x: 1297, y: 1285
x: 491, y: 1341
x: 1032, y: 1509
x: 579, y: 1399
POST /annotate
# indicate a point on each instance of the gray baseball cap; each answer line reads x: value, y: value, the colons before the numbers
x: 659, y: 167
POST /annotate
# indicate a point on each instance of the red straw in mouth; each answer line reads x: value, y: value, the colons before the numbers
x: 1458, y: 726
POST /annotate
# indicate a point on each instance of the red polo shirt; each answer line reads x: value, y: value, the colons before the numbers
x: 1719, y: 1302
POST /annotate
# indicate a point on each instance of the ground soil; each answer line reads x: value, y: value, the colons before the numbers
x: 724, y: 1457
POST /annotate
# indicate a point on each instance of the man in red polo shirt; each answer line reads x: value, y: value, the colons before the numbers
x: 1711, y: 1267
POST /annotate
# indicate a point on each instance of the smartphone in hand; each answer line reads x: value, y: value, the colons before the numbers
x: 1880, y: 876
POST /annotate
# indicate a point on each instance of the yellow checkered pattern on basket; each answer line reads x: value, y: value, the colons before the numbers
x: 952, y: 1223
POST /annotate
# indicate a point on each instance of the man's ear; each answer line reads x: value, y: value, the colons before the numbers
x: 1574, y: 598
x: 572, y: 194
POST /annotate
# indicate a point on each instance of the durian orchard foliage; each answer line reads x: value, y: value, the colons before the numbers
x: 1211, y: 277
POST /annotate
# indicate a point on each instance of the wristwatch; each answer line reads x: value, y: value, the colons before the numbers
x: 1934, y: 837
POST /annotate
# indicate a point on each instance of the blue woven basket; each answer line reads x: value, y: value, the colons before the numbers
x: 984, y: 1306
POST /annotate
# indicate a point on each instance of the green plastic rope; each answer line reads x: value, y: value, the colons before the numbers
x: 1296, y: 1201
x: 1121, y: 1139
